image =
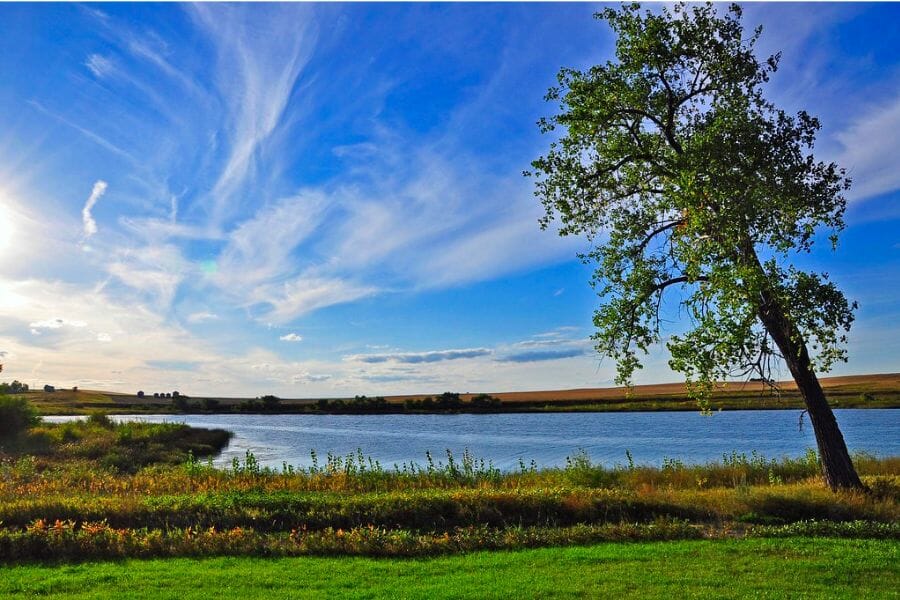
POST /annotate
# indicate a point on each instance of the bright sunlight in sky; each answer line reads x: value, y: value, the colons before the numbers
x: 328, y: 200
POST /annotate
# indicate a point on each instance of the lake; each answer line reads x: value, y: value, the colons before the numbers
x: 545, y: 438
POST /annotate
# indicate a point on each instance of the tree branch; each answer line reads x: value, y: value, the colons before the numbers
x: 664, y: 284
x: 643, y: 245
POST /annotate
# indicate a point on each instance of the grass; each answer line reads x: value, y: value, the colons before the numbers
x: 748, y: 568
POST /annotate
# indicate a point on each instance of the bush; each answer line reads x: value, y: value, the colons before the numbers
x: 16, y: 415
x: 16, y: 387
x: 99, y: 419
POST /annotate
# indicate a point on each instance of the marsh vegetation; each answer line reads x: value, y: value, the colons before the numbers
x: 99, y: 489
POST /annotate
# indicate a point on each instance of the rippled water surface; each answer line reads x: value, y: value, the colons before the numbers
x: 545, y: 438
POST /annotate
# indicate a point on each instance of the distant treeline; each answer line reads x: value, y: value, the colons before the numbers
x: 446, y: 402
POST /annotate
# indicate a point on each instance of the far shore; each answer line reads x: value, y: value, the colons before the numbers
x: 857, y: 391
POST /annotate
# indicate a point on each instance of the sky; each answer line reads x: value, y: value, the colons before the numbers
x: 316, y: 200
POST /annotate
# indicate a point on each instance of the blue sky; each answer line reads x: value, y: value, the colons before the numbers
x: 314, y: 200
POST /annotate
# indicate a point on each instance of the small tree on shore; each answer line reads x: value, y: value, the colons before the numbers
x: 687, y: 179
x: 16, y: 416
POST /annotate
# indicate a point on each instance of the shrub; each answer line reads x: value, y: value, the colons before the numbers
x: 16, y: 415
x: 99, y: 419
x: 485, y: 401
x: 16, y: 387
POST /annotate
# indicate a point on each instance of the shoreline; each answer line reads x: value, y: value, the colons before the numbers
x: 636, y: 406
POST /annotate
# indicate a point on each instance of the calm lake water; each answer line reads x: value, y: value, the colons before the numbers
x: 545, y: 438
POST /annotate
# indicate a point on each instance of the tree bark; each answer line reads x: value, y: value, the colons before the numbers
x: 837, y: 467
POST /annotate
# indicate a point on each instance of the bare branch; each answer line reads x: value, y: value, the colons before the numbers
x: 643, y: 245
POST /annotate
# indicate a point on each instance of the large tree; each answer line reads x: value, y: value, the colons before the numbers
x: 691, y: 184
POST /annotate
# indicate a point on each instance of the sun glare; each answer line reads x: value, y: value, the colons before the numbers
x: 6, y: 229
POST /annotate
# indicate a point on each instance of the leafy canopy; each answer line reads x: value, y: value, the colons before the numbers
x: 686, y: 178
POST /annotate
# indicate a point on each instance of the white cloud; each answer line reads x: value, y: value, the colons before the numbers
x: 291, y: 337
x: 99, y: 65
x: 871, y: 147
x: 156, y: 270
x: 56, y: 324
x: 90, y: 225
x: 303, y: 378
x: 419, y: 357
x: 202, y: 316
x: 73, y: 353
x: 260, y: 248
x: 306, y: 294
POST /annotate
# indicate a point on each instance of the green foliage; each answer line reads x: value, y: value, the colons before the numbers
x: 14, y: 387
x: 485, y: 401
x: 831, y: 529
x: 688, y: 179
x: 358, y: 405
x: 270, y: 402
x: 16, y: 416
x: 99, y: 419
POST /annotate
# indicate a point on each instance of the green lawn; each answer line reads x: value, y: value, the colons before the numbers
x: 758, y: 568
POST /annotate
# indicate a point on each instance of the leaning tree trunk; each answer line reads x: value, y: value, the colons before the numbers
x: 837, y: 467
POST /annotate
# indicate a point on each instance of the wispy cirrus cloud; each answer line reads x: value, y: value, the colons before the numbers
x: 88, y: 133
x: 260, y: 55
x: 202, y: 317
x: 262, y: 247
x: 99, y: 65
x: 870, y: 149
x: 156, y: 270
x: 284, y: 301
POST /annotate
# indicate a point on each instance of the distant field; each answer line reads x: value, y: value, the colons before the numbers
x: 857, y: 391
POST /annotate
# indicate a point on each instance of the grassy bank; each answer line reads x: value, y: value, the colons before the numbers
x: 69, y: 508
x: 97, y: 490
x: 108, y: 447
x: 797, y: 567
